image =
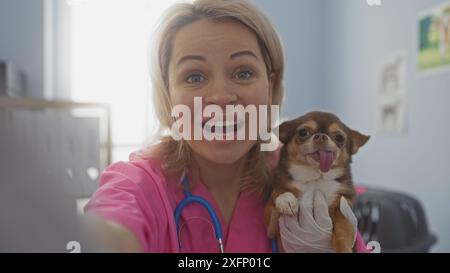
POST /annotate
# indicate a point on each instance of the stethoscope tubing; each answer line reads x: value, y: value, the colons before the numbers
x: 189, y: 198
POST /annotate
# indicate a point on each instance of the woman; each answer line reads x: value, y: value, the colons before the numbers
x: 227, y: 53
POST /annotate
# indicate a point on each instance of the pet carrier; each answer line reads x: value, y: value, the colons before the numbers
x: 396, y: 220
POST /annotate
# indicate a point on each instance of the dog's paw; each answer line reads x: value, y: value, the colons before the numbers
x: 287, y: 203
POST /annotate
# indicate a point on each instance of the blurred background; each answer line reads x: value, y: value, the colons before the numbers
x: 75, y: 96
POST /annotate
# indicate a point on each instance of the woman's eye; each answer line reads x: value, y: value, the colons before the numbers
x: 243, y: 75
x: 303, y: 132
x: 339, y: 138
x: 195, y: 78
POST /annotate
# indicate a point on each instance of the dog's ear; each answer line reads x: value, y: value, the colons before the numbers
x: 358, y: 140
x: 286, y: 130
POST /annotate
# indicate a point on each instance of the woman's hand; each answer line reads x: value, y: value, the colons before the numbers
x: 108, y: 236
x: 311, y: 229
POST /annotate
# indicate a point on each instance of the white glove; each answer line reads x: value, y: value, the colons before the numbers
x: 311, y: 229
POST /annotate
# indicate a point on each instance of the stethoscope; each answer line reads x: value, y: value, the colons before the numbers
x: 190, y: 198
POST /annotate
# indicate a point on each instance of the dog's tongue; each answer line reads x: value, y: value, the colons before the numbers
x: 326, y: 159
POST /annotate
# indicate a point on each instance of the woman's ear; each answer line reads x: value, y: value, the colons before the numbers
x: 358, y: 140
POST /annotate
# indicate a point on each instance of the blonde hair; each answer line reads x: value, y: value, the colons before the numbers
x: 176, y: 154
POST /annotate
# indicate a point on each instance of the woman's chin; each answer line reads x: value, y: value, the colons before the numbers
x: 223, y: 152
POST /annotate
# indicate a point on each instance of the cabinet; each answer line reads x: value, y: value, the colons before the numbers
x: 57, y: 144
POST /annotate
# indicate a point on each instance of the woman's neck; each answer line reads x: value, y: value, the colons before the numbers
x: 214, y: 175
x: 221, y: 180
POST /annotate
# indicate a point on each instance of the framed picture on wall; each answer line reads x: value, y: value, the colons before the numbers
x: 433, y: 47
x: 391, y: 96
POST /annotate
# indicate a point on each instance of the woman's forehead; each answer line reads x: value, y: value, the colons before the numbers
x: 206, y: 37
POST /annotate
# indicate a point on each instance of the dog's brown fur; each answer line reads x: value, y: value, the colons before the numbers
x: 299, y: 150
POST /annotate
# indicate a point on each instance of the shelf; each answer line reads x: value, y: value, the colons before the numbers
x: 29, y: 102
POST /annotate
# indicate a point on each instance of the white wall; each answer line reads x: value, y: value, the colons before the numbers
x: 22, y: 40
x: 334, y: 51
x: 299, y: 26
x: 35, y: 38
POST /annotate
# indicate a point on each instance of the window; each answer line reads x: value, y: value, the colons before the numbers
x: 109, y: 63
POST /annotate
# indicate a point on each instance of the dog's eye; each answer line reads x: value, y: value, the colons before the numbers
x: 339, y: 138
x: 303, y: 132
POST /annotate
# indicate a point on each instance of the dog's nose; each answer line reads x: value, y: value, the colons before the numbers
x: 320, y: 138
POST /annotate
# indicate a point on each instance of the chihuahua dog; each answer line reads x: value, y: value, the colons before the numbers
x: 316, y: 155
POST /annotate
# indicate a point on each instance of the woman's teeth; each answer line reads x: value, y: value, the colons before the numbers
x: 226, y: 126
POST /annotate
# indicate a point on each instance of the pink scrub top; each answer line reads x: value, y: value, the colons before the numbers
x: 140, y: 196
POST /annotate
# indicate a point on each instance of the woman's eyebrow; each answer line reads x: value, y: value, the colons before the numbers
x: 244, y: 52
x: 201, y: 58
x: 191, y: 57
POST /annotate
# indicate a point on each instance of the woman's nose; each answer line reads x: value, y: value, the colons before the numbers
x: 221, y: 93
